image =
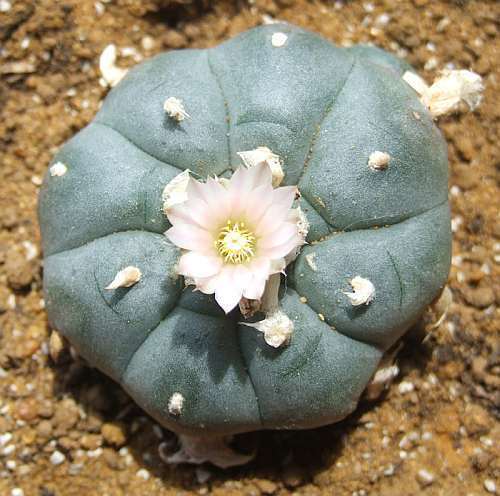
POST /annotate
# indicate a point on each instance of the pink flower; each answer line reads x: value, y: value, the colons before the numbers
x: 234, y: 236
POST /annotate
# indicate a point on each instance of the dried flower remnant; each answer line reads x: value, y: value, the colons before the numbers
x: 379, y: 160
x: 303, y: 225
x: 175, y: 404
x: 125, y: 278
x: 277, y: 328
x: 198, y: 450
x: 58, y: 169
x: 446, y: 93
x: 111, y: 73
x: 263, y: 154
x: 175, y: 109
x: 175, y: 191
x: 235, y: 236
x: 363, y: 291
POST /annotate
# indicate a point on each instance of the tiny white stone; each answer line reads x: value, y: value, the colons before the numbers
x: 148, y: 43
x: 431, y: 64
x: 278, y: 39
x: 175, y: 109
x: 443, y: 24
x: 456, y: 222
x: 17, y: 491
x: 389, y: 470
x: 364, y: 291
x: 11, y: 301
x: 111, y: 73
x: 490, y: 486
x: 382, y: 20
x: 31, y: 250
x: 406, y: 387
x: 310, y: 259
x: 276, y: 327
x: 99, y: 8
x: 5, y: 438
x: 267, y: 19
x: 379, y: 160
x: 57, y: 458
x: 425, y: 477
x: 11, y: 464
x: 125, y: 278
x: 175, y: 191
x: 175, y: 404
x: 263, y: 154
x: 143, y: 474
x: 9, y: 449
x: 94, y: 453
x: 5, y: 5
x: 58, y: 169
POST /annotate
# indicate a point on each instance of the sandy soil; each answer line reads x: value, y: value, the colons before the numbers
x: 67, y: 430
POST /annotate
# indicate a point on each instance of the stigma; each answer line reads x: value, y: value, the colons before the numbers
x: 235, y: 243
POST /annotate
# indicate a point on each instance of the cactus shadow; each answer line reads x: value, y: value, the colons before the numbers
x: 290, y: 459
x: 172, y: 125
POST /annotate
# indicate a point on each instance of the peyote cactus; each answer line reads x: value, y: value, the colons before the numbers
x: 371, y: 169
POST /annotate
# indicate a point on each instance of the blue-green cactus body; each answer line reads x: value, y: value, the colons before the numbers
x: 324, y: 110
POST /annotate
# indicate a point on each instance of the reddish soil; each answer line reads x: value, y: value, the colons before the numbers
x: 67, y: 430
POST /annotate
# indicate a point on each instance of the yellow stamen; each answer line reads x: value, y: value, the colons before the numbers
x: 235, y: 243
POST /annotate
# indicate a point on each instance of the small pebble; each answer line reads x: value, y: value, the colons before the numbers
x: 5, y: 5
x: 425, y: 478
x: 17, y: 491
x: 114, y: 434
x: 5, y: 438
x: 406, y: 387
x: 143, y: 474
x: 490, y: 486
x: 57, y: 458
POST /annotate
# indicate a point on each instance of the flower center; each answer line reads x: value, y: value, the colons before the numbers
x: 235, y: 243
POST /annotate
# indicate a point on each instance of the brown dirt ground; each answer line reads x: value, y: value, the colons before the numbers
x: 440, y: 416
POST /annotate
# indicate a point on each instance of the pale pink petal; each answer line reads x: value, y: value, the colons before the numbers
x: 194, y: 264
x: 281, y: 235
x: 228, y: 292
x: 282, y: 250
x: 179, y: 214
x: 258, y: 201
x: 277, y: 265
x: 275, y: 215
x: 285, y: 195
x: 197, y: 190
x: 207, y: 285
x: 260, y: 267
x: 189, y: 237
x: 249, y: 178
x: 255, y: 288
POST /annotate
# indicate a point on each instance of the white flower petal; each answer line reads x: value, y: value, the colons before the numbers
x: 280, y: 236
x: 228, y: 292
x: 282, y: 250
x: 275, y: 215
x: 194, y: 264
x: 190, y: 237
x: 255, y: 288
